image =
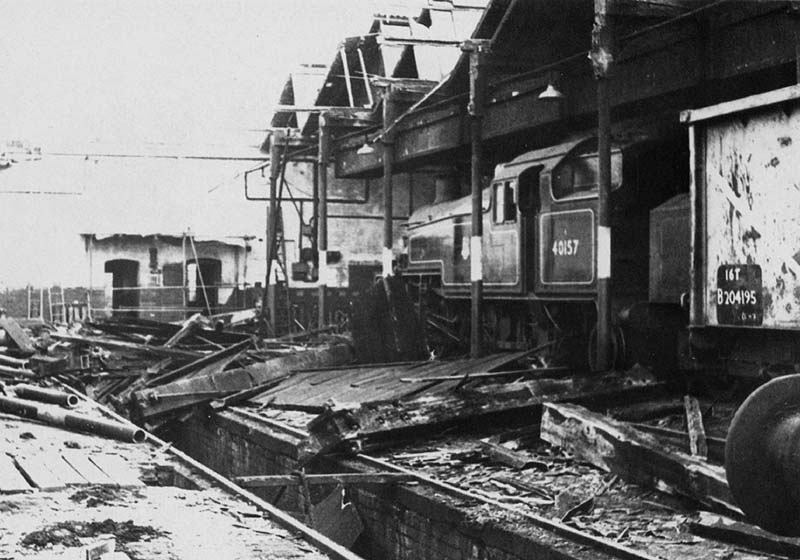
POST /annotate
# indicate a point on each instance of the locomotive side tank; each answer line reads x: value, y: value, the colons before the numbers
x: 539, y: 242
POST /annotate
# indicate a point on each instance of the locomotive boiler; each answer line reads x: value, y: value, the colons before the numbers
x: 705, y: 246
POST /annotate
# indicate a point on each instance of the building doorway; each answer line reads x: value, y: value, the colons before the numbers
x: 203, y: 277
x: 124, y: 286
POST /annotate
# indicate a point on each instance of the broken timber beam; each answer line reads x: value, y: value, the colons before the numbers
x: 341, y: 478
x: 188, y: 327
x: 124, y: 345
x: 680, y: 439
x: 16, y: 334
x: 210, y: 359
x: 638, y: 457
x: 694, y: 424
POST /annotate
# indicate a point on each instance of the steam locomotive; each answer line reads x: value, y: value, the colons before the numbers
x: 705, y: 247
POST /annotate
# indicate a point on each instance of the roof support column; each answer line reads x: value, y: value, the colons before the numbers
x: 272, y: 216
x: 323, y: 154
x: 602, y: 60
x: 477, y: 50
x: 387, y: 141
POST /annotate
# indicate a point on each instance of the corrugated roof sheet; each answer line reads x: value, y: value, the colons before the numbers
x: 378, y: 383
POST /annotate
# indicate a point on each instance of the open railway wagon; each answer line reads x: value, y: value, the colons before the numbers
x: 745, y: 292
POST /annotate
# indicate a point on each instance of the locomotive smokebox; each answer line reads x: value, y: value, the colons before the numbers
x: 762, y: 456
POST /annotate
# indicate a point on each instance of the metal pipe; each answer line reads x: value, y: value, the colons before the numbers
x: 71, y: 420
x: 16, y: 372
x: 388, y: 194
x: 322, y: 225
x: 14, y: 361
x: 477, y: 51
x: 33, y: 393
x: 602, y: 59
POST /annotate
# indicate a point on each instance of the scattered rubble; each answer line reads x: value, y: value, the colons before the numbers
x: 69, y: 533
x: 593, y: 452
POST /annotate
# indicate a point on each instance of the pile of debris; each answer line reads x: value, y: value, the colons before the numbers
x: 152, y: 371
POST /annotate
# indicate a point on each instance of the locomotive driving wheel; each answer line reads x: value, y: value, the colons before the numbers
x: 618, y: 348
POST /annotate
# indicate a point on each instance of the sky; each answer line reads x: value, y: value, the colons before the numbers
x: 165, y: 71
x: 197, y: 74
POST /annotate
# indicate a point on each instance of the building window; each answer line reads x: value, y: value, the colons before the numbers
x: 153, y: 258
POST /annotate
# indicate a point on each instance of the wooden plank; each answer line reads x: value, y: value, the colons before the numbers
x: 188, y: 327
x: 694, y: 423
x: 340, y: 478
x: 757, y: 101
x: 117, y: 469
x: 638, y: 457
x: 123, y: 345
x: 39, y: 473
x: 16, y: 334
x: 11, y: 480
x: 209, y: 360
x: 680, y: 439
x: 639, y: 412
x: 65, y: 471
x: 488, y: 375
x: 79, y: 460
x: 712, y: 526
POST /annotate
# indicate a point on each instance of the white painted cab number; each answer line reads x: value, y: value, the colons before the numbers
x: 565, y: 247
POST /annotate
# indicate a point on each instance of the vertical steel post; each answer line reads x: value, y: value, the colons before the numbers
x: 322, y: 226
x: 388, y: 194
x: 602, y: 60
x: 477, y: 50
x: 314, y: 210
x: 272, y: 214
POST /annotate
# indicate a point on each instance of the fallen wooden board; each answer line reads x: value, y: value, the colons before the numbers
x: 121, y: 344
x: 11, y: 480
x: 57, y: 464
x: 221, y: 356
x: 16, y: 334
x: 538, y: 372
x: 680, y: 440
x: 639, y: 412
x: 720, y: 528
x: 638, y: 457
x: 79, y: 460
x: 117, y: 469
x: 39, y: 472
x: 188, y: 327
